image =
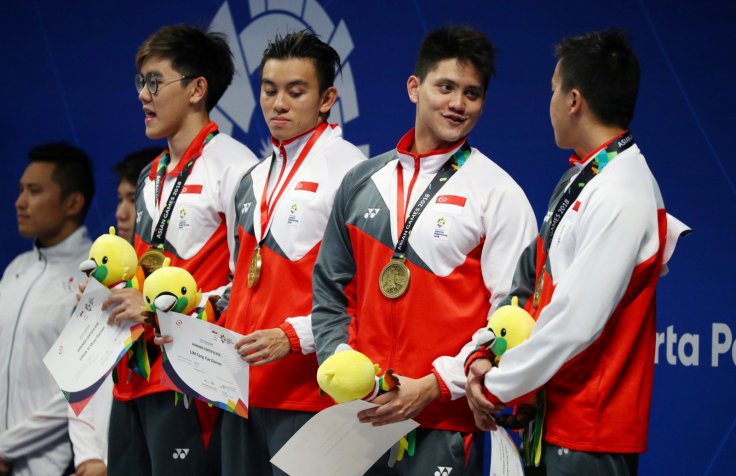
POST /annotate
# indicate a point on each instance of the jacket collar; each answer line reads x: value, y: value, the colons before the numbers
x: 74, y: 245
x: 431, y: 162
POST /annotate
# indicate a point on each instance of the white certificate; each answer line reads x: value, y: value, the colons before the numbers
x: 202, y: 362
x: 88, y: 348
x: 505, y: 459
x: 335, y: 442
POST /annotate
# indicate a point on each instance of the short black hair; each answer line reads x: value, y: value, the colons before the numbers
x: 193, y: 52
x: 603, y: 66
x: 463, y: 43
x: 72, y: 170
x: 130, y: 167
x: 307, y: 45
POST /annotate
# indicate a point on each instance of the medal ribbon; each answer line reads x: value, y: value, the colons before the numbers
x: 269, y: 205
x: 193, y: 152
x: 600, y: 160
x: 447, y: 170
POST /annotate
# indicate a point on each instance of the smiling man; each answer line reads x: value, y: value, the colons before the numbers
x: 184, y: 202
x: 420, y: 248
x: 37, y: 299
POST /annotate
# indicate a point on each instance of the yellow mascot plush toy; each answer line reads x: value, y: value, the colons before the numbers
x: 349, y: 375
x: 171, y: 289
x: 511, y: 325
x: 112, y: 261
x: 508, y: 327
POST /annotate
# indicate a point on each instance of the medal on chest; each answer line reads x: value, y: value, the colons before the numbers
x: 394, y: 278
x: 254, y: 267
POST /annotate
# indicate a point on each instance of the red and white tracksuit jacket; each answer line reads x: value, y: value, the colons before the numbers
x: 283, y: 295
x: 461, y: 253
x: 196, y: 238
x: 593, y: 345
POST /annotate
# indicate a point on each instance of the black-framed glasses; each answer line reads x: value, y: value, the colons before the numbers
x: 153, y: 82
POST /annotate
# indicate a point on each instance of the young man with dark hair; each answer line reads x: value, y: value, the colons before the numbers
x: 589, y: 278
x: 128, y: 170
x: 37, y: 298
x: 283, y: 205
x: 88, y: 431
x: 420, y: 248
x: 184, y: 203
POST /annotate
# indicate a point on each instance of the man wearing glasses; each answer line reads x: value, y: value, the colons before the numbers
x: 184, y: 201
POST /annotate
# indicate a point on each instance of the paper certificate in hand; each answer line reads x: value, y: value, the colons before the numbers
x: 505, y: 459
x: 202, y: 362
x: 88, y: 348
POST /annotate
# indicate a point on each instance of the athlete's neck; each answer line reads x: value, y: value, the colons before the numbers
x: 593, y: 137
x: 180, y: 140
x: 424, y: 143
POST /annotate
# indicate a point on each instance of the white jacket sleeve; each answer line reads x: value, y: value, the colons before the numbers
x: 88, y: 430
x: 303, y: 327
x: 609, y: 240
x: 45, y: 427
x: 510, y: 226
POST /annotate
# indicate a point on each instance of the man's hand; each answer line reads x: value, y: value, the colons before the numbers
x: 404, y: 402
x: 5, y: 467
x: 483, y: 409
x: 264, y: 346
x: 82, y: 287
x: 92, y: 467
x: 161, y: 340
x: 129, y: 306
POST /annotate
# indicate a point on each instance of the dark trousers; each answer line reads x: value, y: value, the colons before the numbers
x: 152, y: 436
x: 562, y: 462
x: 248, y: 445
x: 438, y: 452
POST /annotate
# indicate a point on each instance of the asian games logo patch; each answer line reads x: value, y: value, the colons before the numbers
x: 183, y: 219
x: 440, y: 228
x: 293, y: 218
x: 239, y: 103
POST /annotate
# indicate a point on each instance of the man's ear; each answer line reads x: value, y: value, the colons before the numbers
x: 328, y: 100
x: 74, y: 204
x: 199, y: 91
x: 412, y: 87
x: 576, y: 101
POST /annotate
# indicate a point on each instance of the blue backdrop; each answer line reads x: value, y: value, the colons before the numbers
x: 67, y: 71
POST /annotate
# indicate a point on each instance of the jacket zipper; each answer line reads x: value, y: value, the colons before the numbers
x: 15, y: 328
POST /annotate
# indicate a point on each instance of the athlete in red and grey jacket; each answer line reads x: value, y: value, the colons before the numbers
x: 282, y: 206
x: 183, y: 72
x: 470, y: 223
x: 589, y: 279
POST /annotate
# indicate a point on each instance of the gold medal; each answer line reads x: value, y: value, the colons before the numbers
x: 394, y: 279
x: 538, y: 290
x: 151, y: 260
x: 254, y: 268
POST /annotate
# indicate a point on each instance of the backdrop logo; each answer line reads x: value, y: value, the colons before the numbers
x: 239, y: 105
x: 689, y: 349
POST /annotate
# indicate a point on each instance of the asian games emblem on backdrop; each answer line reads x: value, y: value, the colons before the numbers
x: 239, y: 105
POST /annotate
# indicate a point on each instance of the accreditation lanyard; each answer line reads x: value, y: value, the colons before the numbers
x: 268, y: 203
x: 593, y: 168
x: 193, y: 152
x: 447, y: 170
